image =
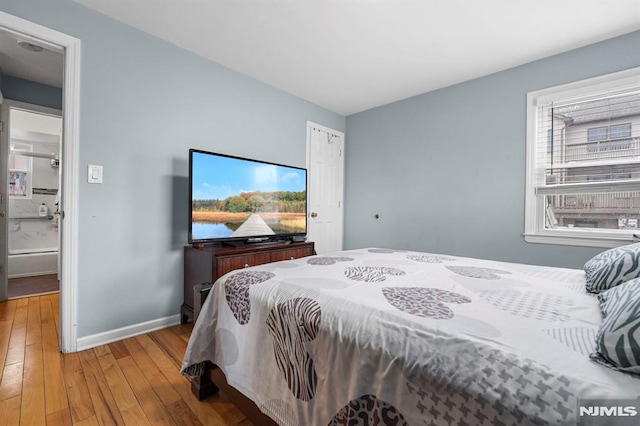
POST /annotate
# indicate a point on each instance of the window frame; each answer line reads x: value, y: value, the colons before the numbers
x: 590, y: 133
x: 608, y: 142
x: 535, y: 204
x: 625, y: 125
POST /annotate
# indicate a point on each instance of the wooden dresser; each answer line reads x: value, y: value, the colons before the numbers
x: 203, y: 266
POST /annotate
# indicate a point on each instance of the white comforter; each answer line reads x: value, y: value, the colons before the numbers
x: 407, y: 338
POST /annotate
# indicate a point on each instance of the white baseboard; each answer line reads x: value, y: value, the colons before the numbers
x: 110, y: 336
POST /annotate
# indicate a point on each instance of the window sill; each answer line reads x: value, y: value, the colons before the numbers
x: 607, y: 241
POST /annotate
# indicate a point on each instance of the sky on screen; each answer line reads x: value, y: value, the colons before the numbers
x: 217, y: 177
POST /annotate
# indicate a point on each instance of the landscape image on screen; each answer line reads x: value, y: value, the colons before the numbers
x: 236, y: 198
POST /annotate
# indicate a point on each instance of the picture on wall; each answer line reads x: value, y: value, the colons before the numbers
x: 18, y: 183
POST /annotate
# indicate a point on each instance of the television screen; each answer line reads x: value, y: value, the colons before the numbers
x: 236, y: 198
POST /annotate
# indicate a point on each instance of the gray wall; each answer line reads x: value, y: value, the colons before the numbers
x: 446, y: 170
x: 31, y: 92
x: 144, y: 103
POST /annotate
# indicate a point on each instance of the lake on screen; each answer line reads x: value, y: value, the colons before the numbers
x: 203, y: 230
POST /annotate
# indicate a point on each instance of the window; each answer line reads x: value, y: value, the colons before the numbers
x: 617, y: 136
x: 583, y: 162
x: 598, y: 134
x: 620, y: 131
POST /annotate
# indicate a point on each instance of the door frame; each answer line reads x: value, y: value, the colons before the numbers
x: 70, y: 167
x: 310, y: 126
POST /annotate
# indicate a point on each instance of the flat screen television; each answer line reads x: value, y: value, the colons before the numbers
x: 240, y: 200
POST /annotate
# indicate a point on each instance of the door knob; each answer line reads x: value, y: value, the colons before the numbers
x: 314, y: 214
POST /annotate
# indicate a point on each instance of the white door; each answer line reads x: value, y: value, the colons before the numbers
x: 325, y: 164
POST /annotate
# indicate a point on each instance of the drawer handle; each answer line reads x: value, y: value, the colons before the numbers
x: 246, y: 265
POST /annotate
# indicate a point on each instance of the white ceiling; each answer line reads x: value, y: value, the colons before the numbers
x: 352, y: 55
x: 44, y: 67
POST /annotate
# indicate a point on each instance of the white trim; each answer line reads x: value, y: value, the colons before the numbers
x: 573, y: 92
x: 70, y: 158
x: 534, y: 213
x: 574, y: 240
x: 122, y: 333
x: 70, y: 198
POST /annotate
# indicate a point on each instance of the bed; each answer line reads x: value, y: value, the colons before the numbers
x: 394, y: 337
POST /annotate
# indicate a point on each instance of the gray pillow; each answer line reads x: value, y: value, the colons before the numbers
x: 612, y: 267
x: 618, y: 339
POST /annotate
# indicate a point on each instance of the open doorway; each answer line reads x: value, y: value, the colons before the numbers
x: 34, y: 194
x: 35, y: 37
x: 31, y: 83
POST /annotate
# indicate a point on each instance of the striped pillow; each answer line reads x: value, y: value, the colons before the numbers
x: 612, y: 267
x: 618, y: 339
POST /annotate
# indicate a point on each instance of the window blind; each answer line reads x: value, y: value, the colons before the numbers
x: 589, y: 144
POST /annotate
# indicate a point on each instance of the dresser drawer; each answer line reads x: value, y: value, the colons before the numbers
x: 208, y: 263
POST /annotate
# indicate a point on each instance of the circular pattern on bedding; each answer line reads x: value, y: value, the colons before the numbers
x: 279, y: 265
x: 429, y: 258
x: 578, y: 339
x: 237, y: 287
x: 423, y: 302
x: 489, y: 285
x: 327, y: 260
x: 528, y: 304
x: 291, y: 324
x: 229, y: 346
x: 382, y: 262
x: 370, y: 273
x: 477, y: 272
x: 327, y: 283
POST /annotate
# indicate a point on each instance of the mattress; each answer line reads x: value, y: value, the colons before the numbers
x: 400, y: 337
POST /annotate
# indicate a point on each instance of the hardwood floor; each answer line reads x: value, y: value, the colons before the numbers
x: 132, y: 382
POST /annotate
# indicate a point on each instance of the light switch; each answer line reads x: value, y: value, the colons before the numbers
x: 95, y: 174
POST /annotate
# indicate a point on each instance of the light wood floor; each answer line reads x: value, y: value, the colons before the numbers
x: 134, y: 382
